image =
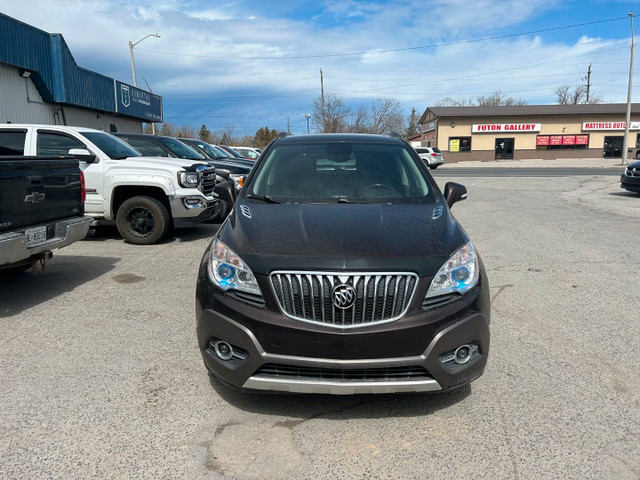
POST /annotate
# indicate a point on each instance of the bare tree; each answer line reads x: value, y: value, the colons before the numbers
x: 226, y: 137
x: 361, y: 120
x: 568, y: 95
x: 498, y: 99
x: 454, y: 102
x: 386, y: 116
x: 336, y: 114
x: 563, y: 94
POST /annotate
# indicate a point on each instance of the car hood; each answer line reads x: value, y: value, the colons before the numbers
x: 356, y: 237
x: 169, y: 162
x: 635, y: 164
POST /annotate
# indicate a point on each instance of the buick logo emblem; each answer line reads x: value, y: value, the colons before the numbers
x: 344, y: 296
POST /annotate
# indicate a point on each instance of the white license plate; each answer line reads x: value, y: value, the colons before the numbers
x: 36, y: 236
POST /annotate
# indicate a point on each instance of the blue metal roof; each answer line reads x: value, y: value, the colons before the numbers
x: 59, y: 79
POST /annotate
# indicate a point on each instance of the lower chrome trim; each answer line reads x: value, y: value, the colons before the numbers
x: 339, y: 388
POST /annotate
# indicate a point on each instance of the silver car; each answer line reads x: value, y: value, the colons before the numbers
x: 431, y: 155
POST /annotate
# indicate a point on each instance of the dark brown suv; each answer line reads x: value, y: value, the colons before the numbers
x: 342, y: 271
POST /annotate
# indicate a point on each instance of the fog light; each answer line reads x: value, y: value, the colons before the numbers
x: 192, y: 202
x: 462, y: 354
x: 223, y: 350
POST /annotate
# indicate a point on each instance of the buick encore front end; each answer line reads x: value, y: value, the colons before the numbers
x: 342, y: 271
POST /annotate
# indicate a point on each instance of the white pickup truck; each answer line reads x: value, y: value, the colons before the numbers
x: 145, y: 196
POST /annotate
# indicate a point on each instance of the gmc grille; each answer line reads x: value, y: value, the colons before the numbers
x: 208, y: 180
x: 379, y: 298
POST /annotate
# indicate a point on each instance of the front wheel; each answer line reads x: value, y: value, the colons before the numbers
x: 142, y: 220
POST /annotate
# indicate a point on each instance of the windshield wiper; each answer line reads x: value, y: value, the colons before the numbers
x: 264, y: 198
x: 344, y: 200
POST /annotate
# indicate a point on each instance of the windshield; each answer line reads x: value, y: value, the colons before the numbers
x: 332, y: 172
x: 113, y: 147
x: 180, y: 149
x: 232, y: 151
x: 208, y: 149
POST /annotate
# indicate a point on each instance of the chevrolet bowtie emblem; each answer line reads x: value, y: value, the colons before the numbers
x: 34, y: 198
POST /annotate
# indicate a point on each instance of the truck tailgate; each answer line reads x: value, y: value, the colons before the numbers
x: 36, y: 190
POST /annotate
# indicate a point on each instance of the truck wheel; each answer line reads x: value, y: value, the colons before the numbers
x: 142, y: 220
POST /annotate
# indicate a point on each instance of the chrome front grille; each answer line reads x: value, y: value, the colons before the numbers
x: 377, y: 297
x: 632, y: 172
x: 208, y: 180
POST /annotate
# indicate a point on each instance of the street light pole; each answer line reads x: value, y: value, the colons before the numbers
x: 153, y: 125
x: 133, y: 63
x: 307, y: 115
x: 625, y: 142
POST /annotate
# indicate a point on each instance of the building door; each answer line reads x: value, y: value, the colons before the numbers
x: 504, y: 148
x: 612, y: 147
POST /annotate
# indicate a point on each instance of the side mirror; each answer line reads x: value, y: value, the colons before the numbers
x: 82, y: 154
x: 454, y: 192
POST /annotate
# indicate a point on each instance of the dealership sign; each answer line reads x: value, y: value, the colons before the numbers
x: 506, y: 127
x: 586, y: 126
x: 138, y: 103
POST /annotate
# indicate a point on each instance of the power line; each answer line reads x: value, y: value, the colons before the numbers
x: 392, y: 50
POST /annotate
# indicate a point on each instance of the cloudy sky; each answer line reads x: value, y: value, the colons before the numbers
x: 247, y: 64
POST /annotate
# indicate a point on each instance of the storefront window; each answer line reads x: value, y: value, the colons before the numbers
x: 459, y: 144
x: 562, y: 142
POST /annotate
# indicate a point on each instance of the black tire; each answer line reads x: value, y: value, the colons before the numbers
x: 433, y: 167
x: 142, y: 220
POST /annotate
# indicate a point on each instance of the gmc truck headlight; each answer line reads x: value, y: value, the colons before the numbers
x: 228, y: 271
x: 459, y: 274
x: 188, y: 179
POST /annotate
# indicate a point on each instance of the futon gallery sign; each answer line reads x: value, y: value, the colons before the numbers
x: 506, y: 127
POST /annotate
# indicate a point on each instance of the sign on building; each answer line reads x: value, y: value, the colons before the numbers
x: 506, y: 127
x: 138, y: 103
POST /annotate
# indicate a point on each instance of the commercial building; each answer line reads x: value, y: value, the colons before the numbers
x: 41, y: 83
x: 529, y: 131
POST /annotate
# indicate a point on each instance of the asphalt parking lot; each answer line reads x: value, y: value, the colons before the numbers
x: 101, y: 376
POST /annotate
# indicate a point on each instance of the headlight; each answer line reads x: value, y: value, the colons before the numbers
x: 227, y: 270
x: 459, y: 274
x: 238, y: 179
x: 188, y: 179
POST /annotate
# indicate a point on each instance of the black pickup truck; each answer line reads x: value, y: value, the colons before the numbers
x: 41, y: 209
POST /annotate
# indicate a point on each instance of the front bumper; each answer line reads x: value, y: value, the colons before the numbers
x: 630, y: 183
x: 190, y: 210
x: 279, y: 354
x: 13, y: 245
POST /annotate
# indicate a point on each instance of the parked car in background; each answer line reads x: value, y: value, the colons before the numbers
x: 232, y: 152
x: 238, y: 168
x: 342, y: 271
x: 160, y: 146
x: 247, y: 152
x: 431, y: 155
x: 630, y: 179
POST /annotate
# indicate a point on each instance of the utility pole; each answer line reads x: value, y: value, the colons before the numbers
x: 625, y: 142
x: 288, y: 126
x: 153, y: 125
x: 322, y: 98
x: 588, y: 82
